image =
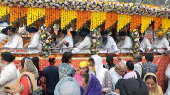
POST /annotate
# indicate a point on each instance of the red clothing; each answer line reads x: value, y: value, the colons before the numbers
x: 24, y: 81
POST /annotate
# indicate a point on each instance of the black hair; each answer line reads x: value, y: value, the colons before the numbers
x: 149, y: 57
x: 66, y: 57
x: 22, y: 63
x: 117, y: 85
x: 109, y: 60
x: 91, y: 59
x: 151, y: 77
x: 86, y: 77
x: 130, y: 64
x: 35, y: 60
x: 51, y: 61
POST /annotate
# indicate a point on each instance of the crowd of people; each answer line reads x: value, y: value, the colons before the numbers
x: 80, y: 42
x: 130, y: 77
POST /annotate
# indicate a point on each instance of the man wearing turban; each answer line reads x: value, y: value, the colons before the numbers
x: 64, y: 42
x: 107, y: 43
x: 125, y: 43
x: 9, y: 71
x: 14, y: 40
x: 160, y: 44
x: 34, y: 43
x: 85, y: 42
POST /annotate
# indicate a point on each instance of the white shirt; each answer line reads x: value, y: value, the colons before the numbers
x: 34, y: 43
x: 145, y: 44
x: 110, y: 46
x: 125, y: 45
x: 83, y: 47
x: 138, y: 68
x: 2, y: 37
x: 68, y: 39
x: 115, y: 77
x: 14, y: 42
x: 8, y: 74
x: 167, y: 74
x: 160, y: 44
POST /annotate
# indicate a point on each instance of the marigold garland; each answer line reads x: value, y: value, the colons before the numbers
x: 123, y: 20
x: 34, y: 14
x: 135, y: 21
x: 66, y: 17
x: 82, y: 18
x: 4, y: 10
x: 146, y: 20
x: 51, y: 16
x: 17, y: 13
x: 111, y: 18
x: 97, y: 18
x: 165, y: 24
x: 157, y: 23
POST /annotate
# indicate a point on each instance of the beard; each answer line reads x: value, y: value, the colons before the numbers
x: 160, y: 38
x: 122, y: 39
x: 104, y: 42
x: 141, y: 38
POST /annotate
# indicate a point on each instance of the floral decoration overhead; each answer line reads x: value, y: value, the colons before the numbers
x: 97, y: 6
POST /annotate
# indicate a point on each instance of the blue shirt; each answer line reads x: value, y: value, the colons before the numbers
x: 52, y: 77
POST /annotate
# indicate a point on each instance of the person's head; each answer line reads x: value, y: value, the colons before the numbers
x: 137, y: 58
x: 4, y: 31
x: 62, y: 32
x: 51, y: 59
x: 27, y: 65
x: 91, y: 64
x: 117, y: 85
x: 130, y: 65
x: 83, y: 67
x: 67, y: 57
x: 67, y: 86
x: 120, y: 68
x: 109, y: 60
x: 151, y: 81
x: 114, y: 31
x: 149, y: 57
x: 85, y: 81
x: 160, y: 35
x: 73, y: 33
x: 83, y: 33
x: 7, y: 58
x: 122, y: 35
x: 35, y: 60
x: 11, y: 30
x: 133, y: 87
x: 32, y: 30
x: 104, y: 34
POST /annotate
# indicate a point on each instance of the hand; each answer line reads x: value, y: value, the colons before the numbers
x: 20, y: 88
x: 117, y: 53
x: 147, y: 49
x: 26, y: 45
x: 3, y: 43
x: 7, y: 90
x: 118, y: 46
x: 39, y: 31
x: 65, y: 42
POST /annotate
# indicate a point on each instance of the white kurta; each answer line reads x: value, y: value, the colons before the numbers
x: 8, y: 75
x: 138, y: 68
x: 115, y: 77
x: 167, y: 74
x: 145, y: 44
x: 14, y: 42
x: 110, y: 46
x: 2, y: 37
x: 68, y: 39
x: 125, y: 45
x: 160, y: 44
x: 83, y: 47
x: 34, y: 44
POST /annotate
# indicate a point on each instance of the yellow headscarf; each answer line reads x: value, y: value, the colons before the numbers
x: 84, y: 64
x: 160, y: 33
x: 158, y: 89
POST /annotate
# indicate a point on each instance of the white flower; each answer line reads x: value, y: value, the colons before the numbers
x: 94, y: 40
x: 136, y: 39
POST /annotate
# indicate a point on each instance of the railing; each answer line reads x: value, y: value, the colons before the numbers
x: 37, y: 50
